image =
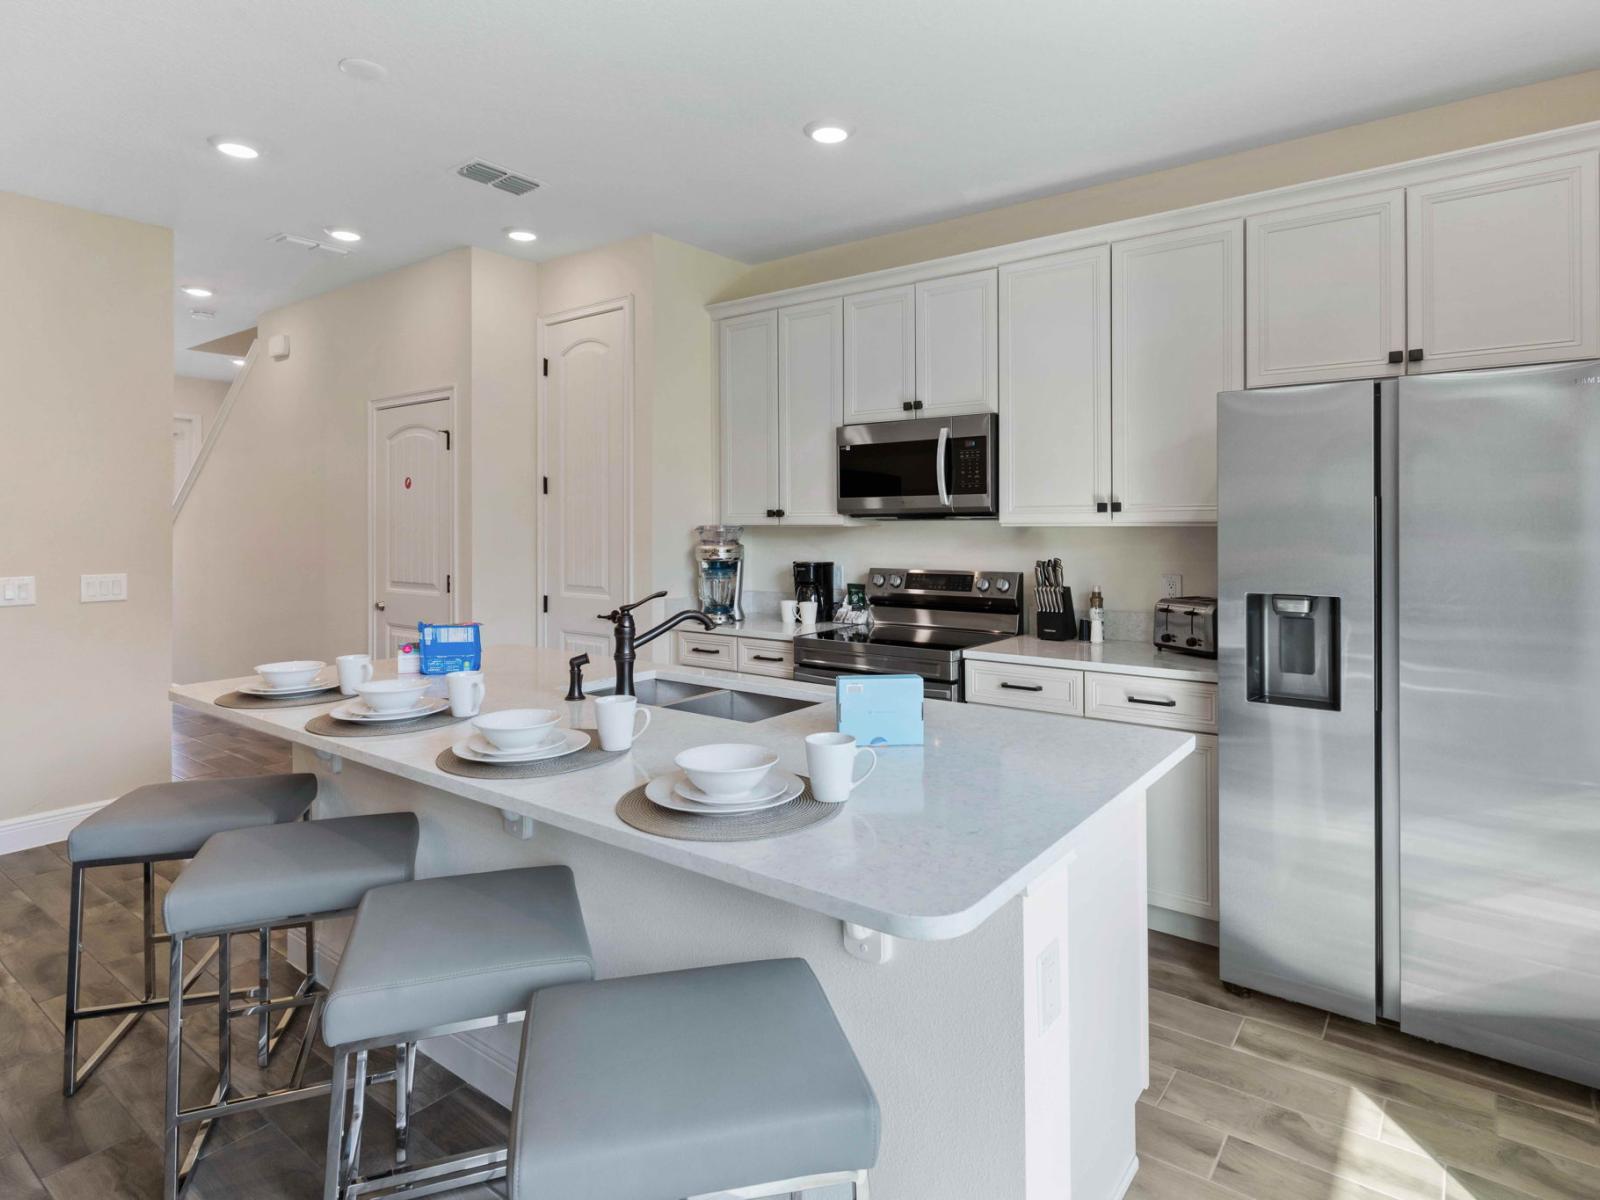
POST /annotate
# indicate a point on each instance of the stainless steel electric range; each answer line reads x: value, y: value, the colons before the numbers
x: 922, y: 621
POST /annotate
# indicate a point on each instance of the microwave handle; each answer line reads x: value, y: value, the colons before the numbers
x: 944, y: 490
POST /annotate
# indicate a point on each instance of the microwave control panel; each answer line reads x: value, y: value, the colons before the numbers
x: 971, y: 473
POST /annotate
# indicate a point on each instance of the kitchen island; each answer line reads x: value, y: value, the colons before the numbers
x: 976, y: 913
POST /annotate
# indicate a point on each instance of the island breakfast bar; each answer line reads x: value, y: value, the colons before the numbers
x: 976, y: 913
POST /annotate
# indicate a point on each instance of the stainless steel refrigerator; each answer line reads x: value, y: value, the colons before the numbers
x: 1409, y: 674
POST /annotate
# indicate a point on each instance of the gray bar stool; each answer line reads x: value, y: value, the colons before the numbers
x: 435, y: 957
x: 734, y: 1079
x: 255, y: 881
x: 159, y: 823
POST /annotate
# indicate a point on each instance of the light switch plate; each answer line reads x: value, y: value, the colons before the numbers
x: 1171, y: 585
x: 17, y: 590
x: 102, y: 589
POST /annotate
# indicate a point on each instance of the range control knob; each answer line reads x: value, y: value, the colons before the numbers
x: 983, y: 585
x: 1003, y: 584
x: 877, y: 581
x: 895, y: 581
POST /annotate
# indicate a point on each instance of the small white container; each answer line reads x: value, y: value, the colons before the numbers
x: 517, y: 728
x: 392, y: 695
x: 726, y: 771
x: 295, y: 673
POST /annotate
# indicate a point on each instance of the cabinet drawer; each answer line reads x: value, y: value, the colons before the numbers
x: 766, y: 658
x: 708, y: 650
x: 1008, y: 685
x: 1138, y: 700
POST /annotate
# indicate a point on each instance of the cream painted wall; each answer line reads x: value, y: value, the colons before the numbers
x: 85, y: 487
x: 1553, y: 104
x: 200, y: 396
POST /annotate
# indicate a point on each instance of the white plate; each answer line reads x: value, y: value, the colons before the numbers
x: 484, y: 748
x: 572, y: 740
x: 304, y: 689
x: 357, y: 711
x: 769, y: 787
x: 662, y: 791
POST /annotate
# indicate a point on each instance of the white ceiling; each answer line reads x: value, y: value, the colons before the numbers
x: 682, y: 117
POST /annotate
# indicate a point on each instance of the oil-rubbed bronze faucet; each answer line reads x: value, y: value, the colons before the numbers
x: 628, y: 641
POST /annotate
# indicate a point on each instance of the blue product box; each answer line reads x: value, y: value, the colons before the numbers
x: 447, y: 648
x: 880, y: 710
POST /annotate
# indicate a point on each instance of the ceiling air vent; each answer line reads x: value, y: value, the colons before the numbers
x: 482, y: 172
x: 305, y: 243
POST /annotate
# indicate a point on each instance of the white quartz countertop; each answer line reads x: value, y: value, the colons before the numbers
x: 1121, y: 658
x: 770, y: 628
x: 940, y: 837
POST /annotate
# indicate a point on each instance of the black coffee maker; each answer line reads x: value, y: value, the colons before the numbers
x: 816, y: 581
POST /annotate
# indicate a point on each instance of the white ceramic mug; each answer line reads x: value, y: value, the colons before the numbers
x: 831, y: 763
x: 465, y: 689
x: 786, y: 612
x: 808, y: 612
x: 616, y: 717
x: 354, y: 670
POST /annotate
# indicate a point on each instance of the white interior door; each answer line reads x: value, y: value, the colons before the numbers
x: 185, y: 448
x: 586, y: 459
x: 413, y: 520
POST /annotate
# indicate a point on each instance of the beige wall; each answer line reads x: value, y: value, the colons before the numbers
x: 85, y: 487
x: 202, y: 397
x: 1569, y: 100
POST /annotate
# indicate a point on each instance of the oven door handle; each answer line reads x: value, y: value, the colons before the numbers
x: 944, y: 440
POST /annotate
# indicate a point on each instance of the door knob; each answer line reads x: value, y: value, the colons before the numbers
x: 381, y: 606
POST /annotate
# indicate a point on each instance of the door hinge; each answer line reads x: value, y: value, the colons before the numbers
x: 547, y: 366
x: 447, y: 585
x: 547, y: 604
x: 547, y: 485
x: 446, y: 433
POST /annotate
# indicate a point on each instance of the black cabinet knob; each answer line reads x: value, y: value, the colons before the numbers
x: 1397, y: 356
x: 1414, y: 356
x: 917, y: 405
x: 905, y: 406
x: 777, y: 512
x: 1101, y: 506
x: 1116, y: 506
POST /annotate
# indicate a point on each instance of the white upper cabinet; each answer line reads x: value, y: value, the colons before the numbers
x: 1177, y: 337
x: 1326, y: 293
x: 1055, y: 389
x: 957, y: 344
x: 748, y: 374
x: 811, y: 408
x: 1504, y: 267
x: 880, y: 355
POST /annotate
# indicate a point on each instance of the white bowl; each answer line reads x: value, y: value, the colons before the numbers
x: 392, y: 695
x: 289, y: 674
x: 517, y: 728
x: 726, y: 771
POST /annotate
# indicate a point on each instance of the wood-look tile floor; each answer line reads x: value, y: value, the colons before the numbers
x: 1259, y: 1098
x: 206, y: 747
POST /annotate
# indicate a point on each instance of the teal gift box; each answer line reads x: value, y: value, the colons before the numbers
x: 880, y: 710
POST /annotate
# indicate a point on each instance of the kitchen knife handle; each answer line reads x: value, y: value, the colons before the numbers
x: 1156, y: 703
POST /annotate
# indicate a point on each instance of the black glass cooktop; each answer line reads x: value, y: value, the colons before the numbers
x: 918, y: 637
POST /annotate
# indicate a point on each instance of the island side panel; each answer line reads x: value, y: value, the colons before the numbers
x: 939, y: 1028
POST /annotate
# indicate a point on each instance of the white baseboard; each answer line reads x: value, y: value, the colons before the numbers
x: 480, y: 1059
x: 1191, y: 928
x: 41, y: 829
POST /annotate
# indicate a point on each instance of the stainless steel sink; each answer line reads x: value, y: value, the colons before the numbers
x: 659, y: 692
x: 741, y: 706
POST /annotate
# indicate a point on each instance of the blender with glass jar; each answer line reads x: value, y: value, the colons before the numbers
x: 719, y: 572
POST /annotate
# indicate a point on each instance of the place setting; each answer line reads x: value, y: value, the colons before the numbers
x: 406, y: 704
x: 291, y: 684
x: 530, y: 743
x: 735, y: 791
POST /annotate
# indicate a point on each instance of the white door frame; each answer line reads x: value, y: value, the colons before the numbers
x: 196, y: 437
x: 624, y: 305
x: 446, y: 393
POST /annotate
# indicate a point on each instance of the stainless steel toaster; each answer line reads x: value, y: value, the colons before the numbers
x: 1187, y: 624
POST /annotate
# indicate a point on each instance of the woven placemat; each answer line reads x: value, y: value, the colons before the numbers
x: 804, y: 811
x: 328, y: 726
x: 579, y: 760
x: 240, y: 700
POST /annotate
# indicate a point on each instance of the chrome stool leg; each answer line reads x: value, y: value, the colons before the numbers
x: 264, y: 994
x: 74, y: 955
x: 405, y: 1071
x: 169, y: 1147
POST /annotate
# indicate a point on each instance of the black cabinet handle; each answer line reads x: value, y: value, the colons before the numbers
x: 766, y: 658
x: 1414, y: 356
x: 1101, y: 506
x: 1397, y: 356
x: 702, y: 650
x: 777, y: 512
x: 917, y: 405
x: 769, y: 512
x: 905, y: 406
x: 1155, y: 703
x: 1023, y: 687
x: 1116, y: 506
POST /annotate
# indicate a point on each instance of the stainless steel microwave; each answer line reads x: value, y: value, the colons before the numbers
x: 924, y: 467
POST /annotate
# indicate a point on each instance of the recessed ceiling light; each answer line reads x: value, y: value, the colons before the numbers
x: 829, y: 133
x: 343, y: 235
x: 202, y: 314
x: 235, y: 149
x: 522, y: 235
x: 238, y: 362
x: 364, y: 69
x: 199, y: 293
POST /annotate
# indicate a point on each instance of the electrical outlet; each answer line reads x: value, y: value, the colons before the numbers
x: 102, y: 589
x: 1171, y: 585
x: 1049, y: 985
x: 16, y: 591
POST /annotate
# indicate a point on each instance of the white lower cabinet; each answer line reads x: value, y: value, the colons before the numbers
x: 724, y: 652
x: 1181, y: 837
